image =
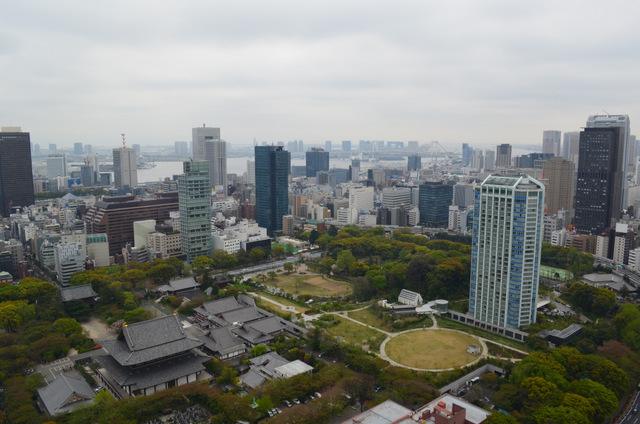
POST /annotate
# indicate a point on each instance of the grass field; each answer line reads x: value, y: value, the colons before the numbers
x: 300, y: 308
x: 313, y: 285
x: 369, y: 317
x: 357, y: 334
x: 431, y: 349
x: 455, y: 325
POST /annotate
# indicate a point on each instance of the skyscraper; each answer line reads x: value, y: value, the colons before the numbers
x: 551, y: 142
x: 571, y: 146
x: 215, y: 152
x: 346, y: 145
x: 16, y: 178
x: 466, y: 154
x: 505, y: 252
x: 327, y: 145
x: 56, y: 165
x: 77, y: 148
x: 272, y: 186
x: 622, y: 122
x: 194, y: 198
x: 503, y: 155
x: 601, y: 178
x: 559, y: 173
x: 125, y: 168
x: 414, y: 163
x: 199, y: 136
x: 434, y: 201
x: 317, y: 160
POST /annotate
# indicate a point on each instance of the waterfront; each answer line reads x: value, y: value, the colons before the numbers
x: 238, y: 165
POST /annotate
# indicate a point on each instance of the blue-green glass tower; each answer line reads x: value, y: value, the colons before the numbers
x: 194, y: 199
x: 272, y: 186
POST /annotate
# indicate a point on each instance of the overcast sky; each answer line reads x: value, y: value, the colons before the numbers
x: 477, y: 71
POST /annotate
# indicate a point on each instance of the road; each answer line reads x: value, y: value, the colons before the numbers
x: 628, y: 416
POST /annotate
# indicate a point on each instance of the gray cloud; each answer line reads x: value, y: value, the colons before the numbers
x: 453, y: 71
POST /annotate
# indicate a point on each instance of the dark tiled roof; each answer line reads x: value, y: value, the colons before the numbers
x: 77, y: 292
x: 243, y: 315
x: 57, y: 394
x: 150, y: 341
x: 154, y: 374
x: 219, y: 306
x: 178, y: 285
x: 222, y: 341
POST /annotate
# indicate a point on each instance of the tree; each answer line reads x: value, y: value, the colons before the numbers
x: 497, y: 417
x: 136, y: 315
x: 221, y: 259
x: 264, y: 404
x: 67, y: 326
x: 313, y: 237
x: 288, y: 267
x: 134, y: 276
x: 163, y: 272
x: 258, y: 350
x: 77, y: 309
x: 273, y: 276
x: 359, y: 388
x: 10, y: 314
x: 256, y: 254
x: 344, y: 260
x: 277, y: 251
x: 228, y: 375
x: 200, y: 264
x: 603, y: 400
x: 362, y: 288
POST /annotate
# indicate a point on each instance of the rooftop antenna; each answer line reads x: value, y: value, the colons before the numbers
x: 123, y: 141
x: 608, y: 114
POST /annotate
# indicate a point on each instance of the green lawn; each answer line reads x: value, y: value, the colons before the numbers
x: 357, y: 334
x: 431, y: 349
x: 299, y: 306
x: 368, y: 316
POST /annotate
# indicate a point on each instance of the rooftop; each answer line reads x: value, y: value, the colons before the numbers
x: 149, y: 341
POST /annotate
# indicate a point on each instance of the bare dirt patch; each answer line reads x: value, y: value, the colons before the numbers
x: 98, y: 330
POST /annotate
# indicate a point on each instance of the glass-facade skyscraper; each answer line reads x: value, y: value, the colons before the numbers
x: 16, y: 178
x: 434, y: 199
x: 194, y: 200
x: 505, y: 251
x: 272, y: 186
x: 600, y: 183
x: 316, y: 160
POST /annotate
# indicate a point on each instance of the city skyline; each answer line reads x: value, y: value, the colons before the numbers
x: 483, y: 73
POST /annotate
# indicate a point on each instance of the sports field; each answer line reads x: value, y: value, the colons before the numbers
x: 313, y: 285
x: 555, y: 273
x: 431, y: 349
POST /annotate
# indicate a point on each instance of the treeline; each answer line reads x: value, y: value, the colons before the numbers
x: 562, y: 385
x: 37, y: 330
x: 569, y: 258
x: 380, y: 266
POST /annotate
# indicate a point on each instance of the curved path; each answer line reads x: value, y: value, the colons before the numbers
x: 383, y: 355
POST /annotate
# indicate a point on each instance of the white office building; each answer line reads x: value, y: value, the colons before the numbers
x: 69, y: 259
x: 505, y: 255
x: 125, y: 168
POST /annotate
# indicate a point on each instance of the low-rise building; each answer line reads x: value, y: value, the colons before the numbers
x: 65, y: 394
